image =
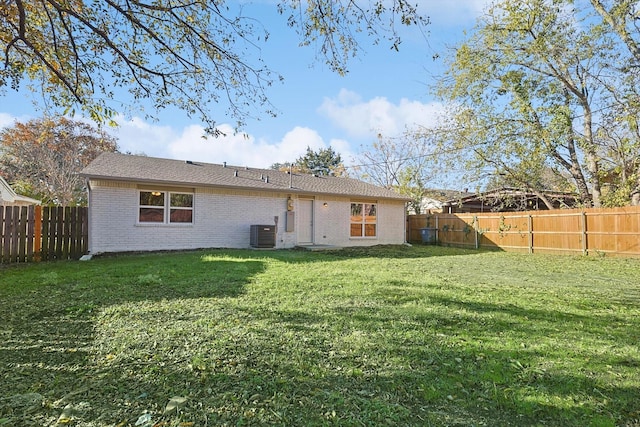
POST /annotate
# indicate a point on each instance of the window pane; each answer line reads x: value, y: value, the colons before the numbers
x: 370, y: 213
x: 181, y: 215
x: 151, y: 198
x: 151, y: 215
x: 179, y: 200
x: 370, y: 230
x: 356, y: 230
x: 356, y: 212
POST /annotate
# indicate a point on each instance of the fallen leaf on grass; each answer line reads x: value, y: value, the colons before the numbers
x: 144, y: 420
x: 175, y: 403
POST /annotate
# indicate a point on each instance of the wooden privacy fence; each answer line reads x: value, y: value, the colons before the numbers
x: 577, y: 231
x: 37, y: 233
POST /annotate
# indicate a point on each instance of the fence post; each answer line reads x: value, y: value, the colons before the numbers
x: 585, y: 246
x: 530, y: 234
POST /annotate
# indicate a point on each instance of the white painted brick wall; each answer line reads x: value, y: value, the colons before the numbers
x: 332, y: 223
x: 222, y: 218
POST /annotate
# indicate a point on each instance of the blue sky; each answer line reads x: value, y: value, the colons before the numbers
x: 384, y: 92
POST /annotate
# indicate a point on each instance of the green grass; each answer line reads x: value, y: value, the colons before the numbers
x: 363, y: 337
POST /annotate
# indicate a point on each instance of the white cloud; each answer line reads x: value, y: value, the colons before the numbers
x: 240, y: 149
x: 8, y: 120
x: 361, y: 118
x: 140, y: 137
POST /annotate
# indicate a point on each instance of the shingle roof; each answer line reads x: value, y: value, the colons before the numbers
x: 125, y: 167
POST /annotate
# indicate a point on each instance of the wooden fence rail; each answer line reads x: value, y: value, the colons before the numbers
x: 37, y: 233
x: 577, y: 231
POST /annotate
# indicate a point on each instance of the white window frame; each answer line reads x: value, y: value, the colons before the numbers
x: 167, y: 208
x: 363, y: 223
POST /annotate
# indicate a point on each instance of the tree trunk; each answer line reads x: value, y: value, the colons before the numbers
x: 591, y: 156
x: 544, y: 199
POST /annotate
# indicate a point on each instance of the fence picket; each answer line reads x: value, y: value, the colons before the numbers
x: 21, y: 235
x: 53, y: 232
x: 30, y: 232
x: 5, y: 238
x: 14, y: 226
x: 57, y: 248
x: 46, y: 234
x: 73, y: 226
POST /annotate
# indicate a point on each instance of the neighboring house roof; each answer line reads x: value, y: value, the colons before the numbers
x: 507, y: 199
x: 10, y: 197
x: 442, y: 195
x: 151, y: 170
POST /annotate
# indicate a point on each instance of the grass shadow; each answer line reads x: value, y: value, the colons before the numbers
x: 52, y: 314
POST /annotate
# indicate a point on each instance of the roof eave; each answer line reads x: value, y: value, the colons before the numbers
x: 293, y: 190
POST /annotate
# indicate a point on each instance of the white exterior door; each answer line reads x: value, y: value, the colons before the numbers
x: 305, y: 222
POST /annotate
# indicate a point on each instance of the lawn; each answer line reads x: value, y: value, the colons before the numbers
x: 362, y: 337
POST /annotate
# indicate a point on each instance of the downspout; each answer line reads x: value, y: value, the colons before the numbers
x: 89, y: 196
x: 406, y: 205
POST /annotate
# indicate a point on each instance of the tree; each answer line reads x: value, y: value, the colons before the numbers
x: 404, y: 163
x: 190, y: 54
x: 323, y: 162
x: 620, y: 145
x: 622, y: 17
x: 42, y: 158
x: 529, y: 87
x: 281, y: 166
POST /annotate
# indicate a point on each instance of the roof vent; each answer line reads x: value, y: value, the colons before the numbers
x: 235, y: 172
x: 224, y: 164
x: 189, y: 162
x: 266, y: 179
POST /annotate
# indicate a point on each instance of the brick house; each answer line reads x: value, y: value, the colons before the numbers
x: 139, y: 203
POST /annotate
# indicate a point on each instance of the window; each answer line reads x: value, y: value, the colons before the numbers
x: 164, y: 207
x: 181, y: 208
x: 363, y: 220
x: 151, y: 206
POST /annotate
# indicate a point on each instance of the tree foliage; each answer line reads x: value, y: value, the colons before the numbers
x: 530, y: 91
x: 404, y: 163
x: 622, y: 18
x: 42, y: 158
x: 324, y: 162
x: 189, y: 54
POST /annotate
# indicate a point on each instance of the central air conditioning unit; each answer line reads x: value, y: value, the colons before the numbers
x: 263, y: 236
